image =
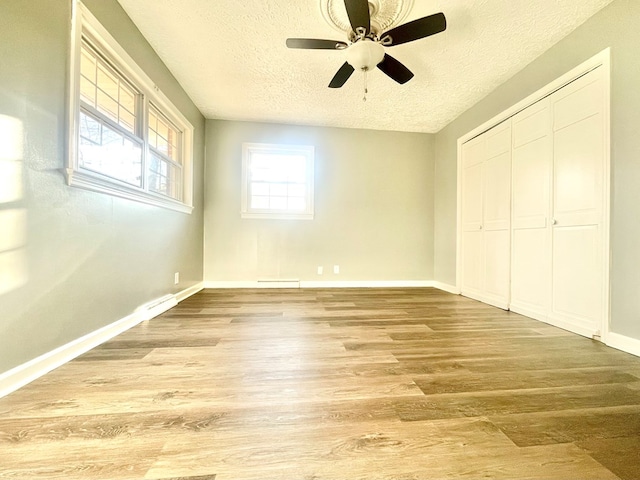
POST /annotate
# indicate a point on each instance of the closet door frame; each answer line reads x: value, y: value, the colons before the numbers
x: 602, y: 60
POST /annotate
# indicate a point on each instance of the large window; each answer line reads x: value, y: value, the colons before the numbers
x: 277, y: 181
x: 126, y: 138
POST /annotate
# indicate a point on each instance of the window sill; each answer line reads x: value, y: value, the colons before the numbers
x: 98, y: 183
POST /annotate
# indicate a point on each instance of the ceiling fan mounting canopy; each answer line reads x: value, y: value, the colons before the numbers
x: 384, y: 14
x: 366, y: 47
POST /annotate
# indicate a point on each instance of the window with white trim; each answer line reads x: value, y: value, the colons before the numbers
x: 126, y: 138
x: 277, y: 181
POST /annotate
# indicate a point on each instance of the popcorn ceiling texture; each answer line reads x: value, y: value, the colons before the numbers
x: 231, y: 58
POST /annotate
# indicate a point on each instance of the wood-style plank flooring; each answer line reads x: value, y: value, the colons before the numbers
x: 363, y: 384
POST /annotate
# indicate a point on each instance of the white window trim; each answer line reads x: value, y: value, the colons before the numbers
x: 84, y: 21
x: 309, y: 154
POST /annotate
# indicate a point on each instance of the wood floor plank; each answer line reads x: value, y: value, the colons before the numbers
x: 330, y: 384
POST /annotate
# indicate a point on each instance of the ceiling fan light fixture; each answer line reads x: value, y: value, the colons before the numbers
x: 365, y: 55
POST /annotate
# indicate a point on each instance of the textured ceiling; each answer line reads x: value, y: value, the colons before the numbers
x: 230, y: 57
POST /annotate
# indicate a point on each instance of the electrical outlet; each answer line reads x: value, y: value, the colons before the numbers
x: 176, y: 278
x: 336, y: 269
x: 320, y: 270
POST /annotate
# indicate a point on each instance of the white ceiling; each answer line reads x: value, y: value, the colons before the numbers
x: 230, y: 57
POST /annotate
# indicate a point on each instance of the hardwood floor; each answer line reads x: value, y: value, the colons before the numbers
x: 367, y: 384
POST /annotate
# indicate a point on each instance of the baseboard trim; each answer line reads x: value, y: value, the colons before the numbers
x: 184, y: 294
x: 19, y: 376
x: 624, y: 343
x: 446, y: 287
x: 321, y: 284
x: 367, y: 284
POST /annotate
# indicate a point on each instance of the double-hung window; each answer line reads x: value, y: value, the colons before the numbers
x: 126, y: 138
x: 277, y: 181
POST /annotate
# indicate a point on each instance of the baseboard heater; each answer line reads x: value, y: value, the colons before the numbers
x: 157, y: 307
x: 278, y: 283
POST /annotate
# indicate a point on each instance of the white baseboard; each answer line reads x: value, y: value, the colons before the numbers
x: 367, y: 284
x: 18, y: 377
x: 321, y: 284
x: 446, y: 287
x: 184, y: 294
x: 624, y: 343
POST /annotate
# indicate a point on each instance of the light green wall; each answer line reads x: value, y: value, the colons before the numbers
x: 373, y: 207
x: 616, y: 26
x: 83, y: 260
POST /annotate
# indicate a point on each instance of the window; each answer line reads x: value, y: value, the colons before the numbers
x: 126, y: 138
x: 277, y: 181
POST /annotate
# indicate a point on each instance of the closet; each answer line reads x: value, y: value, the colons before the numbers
x: 533, y: 235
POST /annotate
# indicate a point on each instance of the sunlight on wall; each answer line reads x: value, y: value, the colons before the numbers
x: 13, y: 218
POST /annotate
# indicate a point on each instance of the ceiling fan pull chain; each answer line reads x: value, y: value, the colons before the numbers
x: 366, y: 90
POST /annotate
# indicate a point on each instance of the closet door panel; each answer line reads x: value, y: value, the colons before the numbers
x: 472, y: 198
x: 497, y: 192
x: 579, y: 162
x: 472, y: 263
x: 531, y: 184
x: 531, y: 231
x: 578, y: 175
x: 577, y: 278
x: 531, y: 272
x: 497, y: 267
x: 473, y: 156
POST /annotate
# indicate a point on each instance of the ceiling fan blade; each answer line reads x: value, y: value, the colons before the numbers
x: 394, y: 69
x: 417, y: 29
x: 358, y: 12
x: 342, y: 76
x: 316, y: 44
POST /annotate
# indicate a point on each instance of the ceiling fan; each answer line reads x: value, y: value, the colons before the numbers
x: 366, y: 47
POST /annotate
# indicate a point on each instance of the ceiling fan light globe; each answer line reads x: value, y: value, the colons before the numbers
x: 365, y: 54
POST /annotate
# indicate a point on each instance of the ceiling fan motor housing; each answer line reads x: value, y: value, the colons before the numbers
x: 365, y: 54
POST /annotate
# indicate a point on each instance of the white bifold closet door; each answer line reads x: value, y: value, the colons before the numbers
x: 532, y: 169
x: 557, y: 238
x: 486, y: 213
x: 577, y: 223
x: 533, y: 218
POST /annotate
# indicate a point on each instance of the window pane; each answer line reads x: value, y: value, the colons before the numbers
x: 278, y: 190
x: 153, y: 120
x: 153, y: 139
x: 88, y: 66
x: 297, y: 190
x: 107, y: 105
x: 163, y: 129
x: 127, y: 120
x: 261, y: 203
x: 107, y: 82
x: 278, y: 203
x: 161, y: 145
x: 260, y: 189
x: 127, y: 99
x: 87, y: 91
x: 106, y: 91
x: 90, y: 129
x: 108, y: 152
x: 297, y: 203
x: 165, y: 136
x: 164, y: 177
